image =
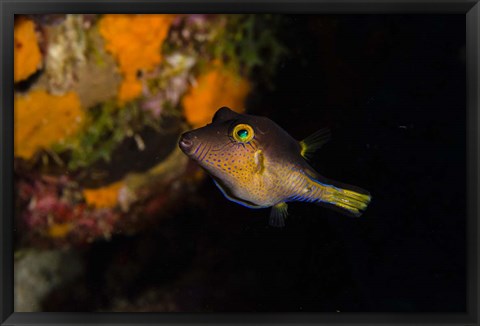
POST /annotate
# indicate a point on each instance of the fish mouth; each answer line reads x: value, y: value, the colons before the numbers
x: 186, y: 143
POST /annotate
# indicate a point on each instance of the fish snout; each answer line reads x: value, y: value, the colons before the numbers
x: 186, y: 142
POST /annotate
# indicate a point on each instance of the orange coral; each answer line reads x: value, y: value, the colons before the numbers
x: 135, y: 41
x: 42, y: 119
x: 59, y: 230
x: 214, y: 89
x: 105, y: 197
x: 27, y: 56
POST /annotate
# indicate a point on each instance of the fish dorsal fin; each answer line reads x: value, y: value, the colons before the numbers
x: 314, y: 142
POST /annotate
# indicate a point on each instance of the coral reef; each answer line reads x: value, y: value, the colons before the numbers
x: 135, y: 41
x: 77, y: 61
x: 104, y: 197
x: 59, y: 212
x: 167, y: 85
x: 42, y: 119
x: 56, y: 213
x: 66, y: 53
x: 217, y: 87
x: 99, y: 105
x: 106, y: 80
x: 27, y: 55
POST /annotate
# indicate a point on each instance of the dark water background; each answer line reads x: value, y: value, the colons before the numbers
x: 392, y: 89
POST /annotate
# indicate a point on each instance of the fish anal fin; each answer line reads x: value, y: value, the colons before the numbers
x: 314, y: 142
x: 278, y: 215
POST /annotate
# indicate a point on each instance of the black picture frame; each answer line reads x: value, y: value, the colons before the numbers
x: 8, y: 8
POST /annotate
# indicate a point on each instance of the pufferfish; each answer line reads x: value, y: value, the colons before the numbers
x: 257, y: 164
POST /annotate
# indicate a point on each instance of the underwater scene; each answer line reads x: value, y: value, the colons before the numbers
x: 239, y: 163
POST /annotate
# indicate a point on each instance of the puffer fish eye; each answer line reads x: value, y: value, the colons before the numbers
x: 243, y: 133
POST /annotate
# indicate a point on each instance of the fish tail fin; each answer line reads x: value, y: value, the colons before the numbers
x: 343, y: 198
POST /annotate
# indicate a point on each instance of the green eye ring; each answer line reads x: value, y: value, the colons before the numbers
x: 243, y: 133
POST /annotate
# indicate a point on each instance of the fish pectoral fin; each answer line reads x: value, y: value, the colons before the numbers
x: 278, y: 215
x: 259, y: 161
x: 314, y: 142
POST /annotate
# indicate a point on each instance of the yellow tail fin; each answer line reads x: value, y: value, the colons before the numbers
x: 349, y: 201
x: 344, y: 198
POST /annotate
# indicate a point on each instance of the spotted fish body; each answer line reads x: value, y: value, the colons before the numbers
x: 257, y: 164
